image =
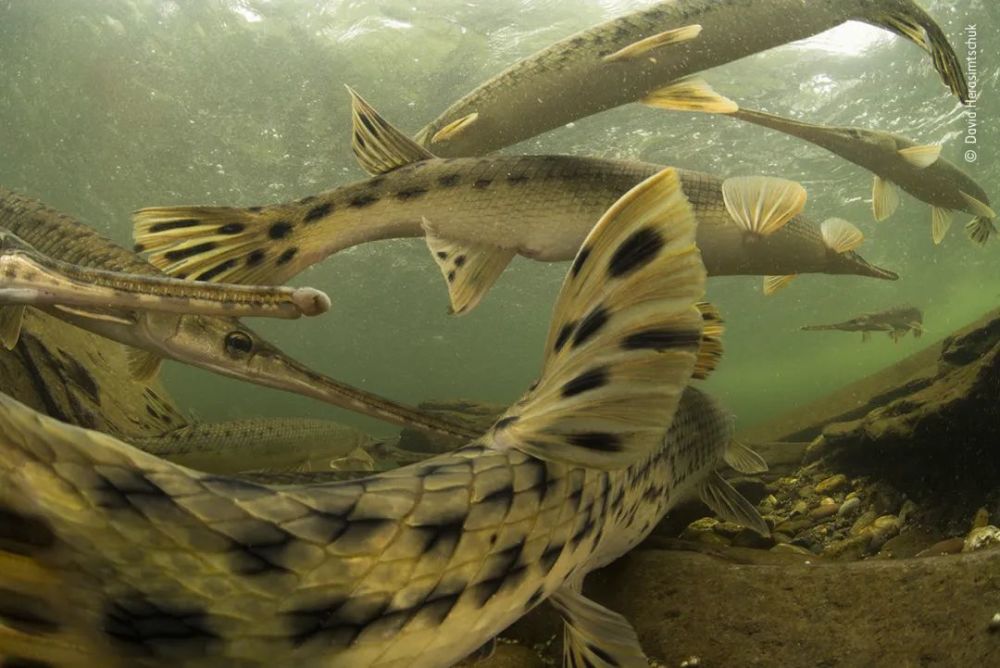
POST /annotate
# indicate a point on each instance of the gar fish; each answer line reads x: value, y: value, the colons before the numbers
x: 477, y: 213
x: 30, y: 278
x: 896, y: 321
x: 221, y: 345
x: 918, y: 169
x: 646, y: 56
x: 272, y: 444
x: 112, y: 557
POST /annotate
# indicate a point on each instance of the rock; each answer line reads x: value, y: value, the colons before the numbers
x: 792, y: 548
x: 995, y: 622
x: 823, y: 511
x: 753, y: 489
x: 863, y: 521
x: 800, y: 508
x: 981, y: 538
x: 832, y: 484
x: 794, y: 526
x: 981, y: 518
x: 849, y: 506
x: 704, y: 531
x: 750, y: 538
x: 946, y: 546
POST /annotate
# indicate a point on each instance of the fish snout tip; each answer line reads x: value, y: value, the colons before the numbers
x: 311, y: 301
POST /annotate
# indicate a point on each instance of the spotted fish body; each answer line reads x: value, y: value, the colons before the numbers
x: 542, y: 207
x: 153, y: 564
x: 572, y: 79
x: 896, y: 321
x: 220, y: 344
x: 276, y: 444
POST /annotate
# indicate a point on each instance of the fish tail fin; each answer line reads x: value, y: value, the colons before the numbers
x: 909, y: 20
x: 980, y: 229
x: 224, y: 244
x: 624, y: 338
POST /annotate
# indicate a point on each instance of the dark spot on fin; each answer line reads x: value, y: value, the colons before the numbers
x: 287, y: 256
x: 255, y: 258
x: 595, y: 440
x: 635, y: 252
x: 209, y: 274
x: 578, y: 263
x: 660, y: 339
x: 586, y: 381
x: 279, y: 230
x: 174, y: 225
x: 191, y: 251
x: 317, y: 212
x: 590, y: 325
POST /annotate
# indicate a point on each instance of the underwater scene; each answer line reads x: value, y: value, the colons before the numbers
x: 357, y: 333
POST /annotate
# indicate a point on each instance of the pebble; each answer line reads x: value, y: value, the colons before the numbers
x: 800, y: 508
x: 823, y: 511
x: 790, y: 547
x: 850, y: 506
x: 831, y: 484
x: 862, y: 522
x: 995, y: 622
x: 691, y: 662
x: 982, y: 537
x: 981, y: 518
x: 947, y: 546
x: 794, y: 525
x: 907, y: 510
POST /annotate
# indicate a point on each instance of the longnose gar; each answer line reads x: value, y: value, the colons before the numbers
x: 896, y: 321
x: 272, y: 444
x: 477, y: 213
x: 113, y: 557
x: 643, y: 56
x: 221, y: 345
x: 918, y: 169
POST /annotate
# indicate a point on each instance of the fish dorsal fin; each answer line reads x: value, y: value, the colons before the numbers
x: 455, y: 128
x: 977, y: 207
x: 885, y: 198
x: 980, y: 229
x: 689, y: 94
x: 761, y: 205
x: 922, y: 156
x: 743, y: 459
x: 730, y: 505
x: 142, y: 365
x: 774, y: 283
x: 644, y: 46
x: 11, y: 317
x: 593, y: 635
x: 623, y: 340
x: 469, y: 269
x: 940, y: 223
x: 378, y: 145
x: 710, y: 349
x: 840, y: 236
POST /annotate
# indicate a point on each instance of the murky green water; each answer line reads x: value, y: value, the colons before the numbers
x: 111, y: 105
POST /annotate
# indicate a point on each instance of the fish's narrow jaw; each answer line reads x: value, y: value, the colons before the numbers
x: 852, y: 263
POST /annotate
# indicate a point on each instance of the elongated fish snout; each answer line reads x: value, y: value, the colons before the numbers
x: 853, y: 263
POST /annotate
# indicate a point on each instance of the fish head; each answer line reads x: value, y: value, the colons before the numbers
x: 851, y: 262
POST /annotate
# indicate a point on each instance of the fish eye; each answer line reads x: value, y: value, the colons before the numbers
x: 238, y: 343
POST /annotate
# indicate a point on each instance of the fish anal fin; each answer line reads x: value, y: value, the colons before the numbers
x: 922, y: 156
x: 940, y: 223
x: 741, y: 458
x: 689, y: 94
x: 469, y: 269
x: 730, y: 505
x: 774, y: 283
x: 710, y: 349
x: 761, y: 205
x: 455, y: 128
x: 378, y: 145
x: 885, y: 198
x: 840, y: 236
x: 977, y: 207
x: 623, y: 340
x: 980, y: 230
x: 644, y: 46
x: 594, y: 635
x: 11, y: 318
x: 142, y: 365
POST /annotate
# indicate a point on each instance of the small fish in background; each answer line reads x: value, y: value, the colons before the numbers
x: 895, y: 160
x: 476, y: 214
x: 147, y: 563
x: 649, y: 56
x: 895, y: 321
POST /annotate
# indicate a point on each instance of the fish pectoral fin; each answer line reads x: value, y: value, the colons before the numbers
x: 93, y: 315
x: 840, y: 236
x: 885, y: 198
x: 455, y: 128
x: 689, y: 94
x: 922, y: 156
x: 644, y: 46
x: 761, y: 205
x: 469, y: 269
x: 940, y: 223
x: 977, y: 207
x: 218, y: 244
x: 741, y: 458
x: 142, y: 365
x: 774, y: 283
x: 378, y: 145
x: 594, y: 635
x: 11, y: 317
x: 730, y: 505
x: 980, y: 229
x: 624, y: 337
x: 710, y: 347
x: 917, y: 328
